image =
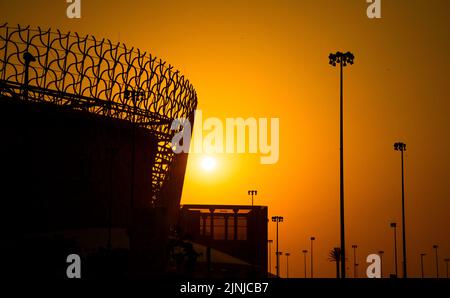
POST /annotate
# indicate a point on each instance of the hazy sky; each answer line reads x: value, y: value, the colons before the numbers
x: 270, y: 59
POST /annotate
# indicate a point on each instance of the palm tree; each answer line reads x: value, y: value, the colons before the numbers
x: 335, y: 256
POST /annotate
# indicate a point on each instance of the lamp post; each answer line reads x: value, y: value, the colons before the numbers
x: 287, y: 264
x: 381, y: 252
x: 278, y: 253
x: 304, y: 258
x: 252, y: 193
x: 28, y: 58
x: 421, y: 264
x: 270, y: 241
x: 255, y: 257
x: 312, y: 260
x: 354, y: 246
x: 399, y: 146
x: 342, y: 59
x: 277, y: 219
x: 437, y: 259
x: 394, y: 226
x: 446, y: 260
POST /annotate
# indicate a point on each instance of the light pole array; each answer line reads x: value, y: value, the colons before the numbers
x: 399, y: 146
x: 277, y: 219
x: 342, y: 59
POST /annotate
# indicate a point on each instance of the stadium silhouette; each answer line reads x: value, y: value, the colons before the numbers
x: 86, y: 155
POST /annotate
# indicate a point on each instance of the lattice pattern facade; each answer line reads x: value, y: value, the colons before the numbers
x: 100, y: 77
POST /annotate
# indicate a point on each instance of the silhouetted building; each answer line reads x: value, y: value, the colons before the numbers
x: 232, y: 238
x: 87, y: 163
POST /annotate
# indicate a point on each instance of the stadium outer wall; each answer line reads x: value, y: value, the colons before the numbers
x: 69, y: 186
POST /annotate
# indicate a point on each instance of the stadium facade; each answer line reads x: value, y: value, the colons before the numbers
x: 86, y: 155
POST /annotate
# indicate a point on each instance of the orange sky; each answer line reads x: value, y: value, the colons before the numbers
x: 269, y: 59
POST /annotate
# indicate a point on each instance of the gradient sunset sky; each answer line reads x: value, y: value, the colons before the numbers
x: 270, y: 59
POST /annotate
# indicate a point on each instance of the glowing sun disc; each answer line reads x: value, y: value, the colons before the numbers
x: 208, y: 163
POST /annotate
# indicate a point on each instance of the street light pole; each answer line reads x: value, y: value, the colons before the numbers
x: 399, y: 146
x: 381, y: 252
x: 446, y: 265
x: 277, y: 219
x: 394, y: 226
x: 279, y: 253
x: 255, y: 257
x: 28, y: 58
x: 437, y: 260
x: 304, y: 258
x: 421, y: 264
x: 354, y: 246
x: 342, y: 59
x: 270, y: 255
x: 312, y: 260
x: 287, y: 264
x: 252, y: 193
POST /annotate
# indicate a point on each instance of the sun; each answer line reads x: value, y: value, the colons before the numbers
x: 208, y: 163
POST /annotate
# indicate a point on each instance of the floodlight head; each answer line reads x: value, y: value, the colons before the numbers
x: 28, y: 57
x: 399, y: 146
x: 277, y: 218
x: 341, y: 58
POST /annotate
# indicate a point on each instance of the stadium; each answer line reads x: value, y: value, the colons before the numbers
x: 86, y: 155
